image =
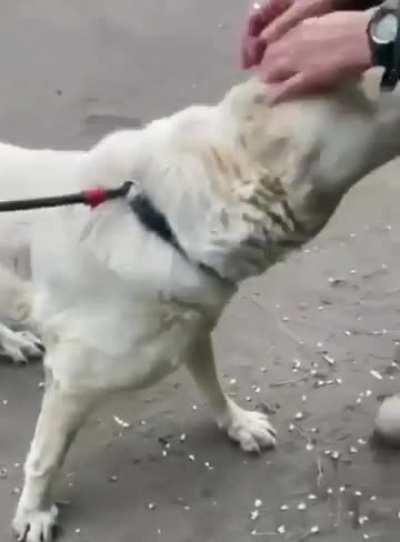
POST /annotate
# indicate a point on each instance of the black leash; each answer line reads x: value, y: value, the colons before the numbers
x: 92, y: 198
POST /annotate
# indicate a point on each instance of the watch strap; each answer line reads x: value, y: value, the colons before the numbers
x: 391, y: 74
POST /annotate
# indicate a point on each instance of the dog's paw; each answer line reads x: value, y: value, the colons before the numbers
x: 252, y: 430
x: 35, y: 525
x: 20, y: 346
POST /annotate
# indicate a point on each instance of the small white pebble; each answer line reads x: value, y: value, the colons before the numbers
x: 335, y: 455
x: 373, y: 498
x: 291, y: 427
x: 183, y: 437
x: 3, y: 473
x: 312, y: 497
x: 284, y: 508
x: 258, y: 503
x: 314, y: 529
x: 310, y: 446
x: 299, y: 416
x: 5, y: 402
x: 342, y: 489
x: 194, y: 407
x: 363, y: 519
x: 77, y: 531
x: 113, y: 478
x: 304, y: 398
x: 358, y: 493
x: 302, y: 506
x: 361, y: 442
x: 281, y: 529
x: 192, y: 457
x: 151, y: 506
x: 233, y: 381
x: 348, y: 333
x: 329, y: 491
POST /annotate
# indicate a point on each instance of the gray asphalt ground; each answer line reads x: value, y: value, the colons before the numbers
x: 74, y: 70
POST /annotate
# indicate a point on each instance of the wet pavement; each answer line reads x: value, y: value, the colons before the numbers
x: 312, y: 340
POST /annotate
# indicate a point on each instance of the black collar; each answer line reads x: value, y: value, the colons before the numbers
x: 155, y: 221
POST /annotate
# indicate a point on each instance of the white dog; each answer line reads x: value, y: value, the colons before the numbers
x: 129, y: 292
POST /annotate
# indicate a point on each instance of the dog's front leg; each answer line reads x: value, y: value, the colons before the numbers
x: 251, y: 429
x: 60, y: 418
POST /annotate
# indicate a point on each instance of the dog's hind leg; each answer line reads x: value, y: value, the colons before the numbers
x: 15, y: 311
x: 61, y: 417
x: 252, y: 430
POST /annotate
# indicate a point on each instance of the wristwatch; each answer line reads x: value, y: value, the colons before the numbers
x: 384, y: 42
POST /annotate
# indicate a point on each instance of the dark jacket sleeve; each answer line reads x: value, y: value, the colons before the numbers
x: 360, y: 5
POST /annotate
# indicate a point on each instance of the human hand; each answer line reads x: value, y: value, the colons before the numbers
x: 273, y: 19
x: 317, y: 55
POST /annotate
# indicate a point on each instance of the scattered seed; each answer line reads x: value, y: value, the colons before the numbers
x: 122, y: 423
x: 254, y: 514
x: 376, y: 374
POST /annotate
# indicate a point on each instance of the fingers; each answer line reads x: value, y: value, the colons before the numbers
x: 300, y: 84
x: 253, y: 44
x: 252, y: 52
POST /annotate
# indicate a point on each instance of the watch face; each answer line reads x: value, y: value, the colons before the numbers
x: 384, y: 29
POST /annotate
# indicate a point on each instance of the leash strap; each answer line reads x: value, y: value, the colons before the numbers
x: 93, y: 198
